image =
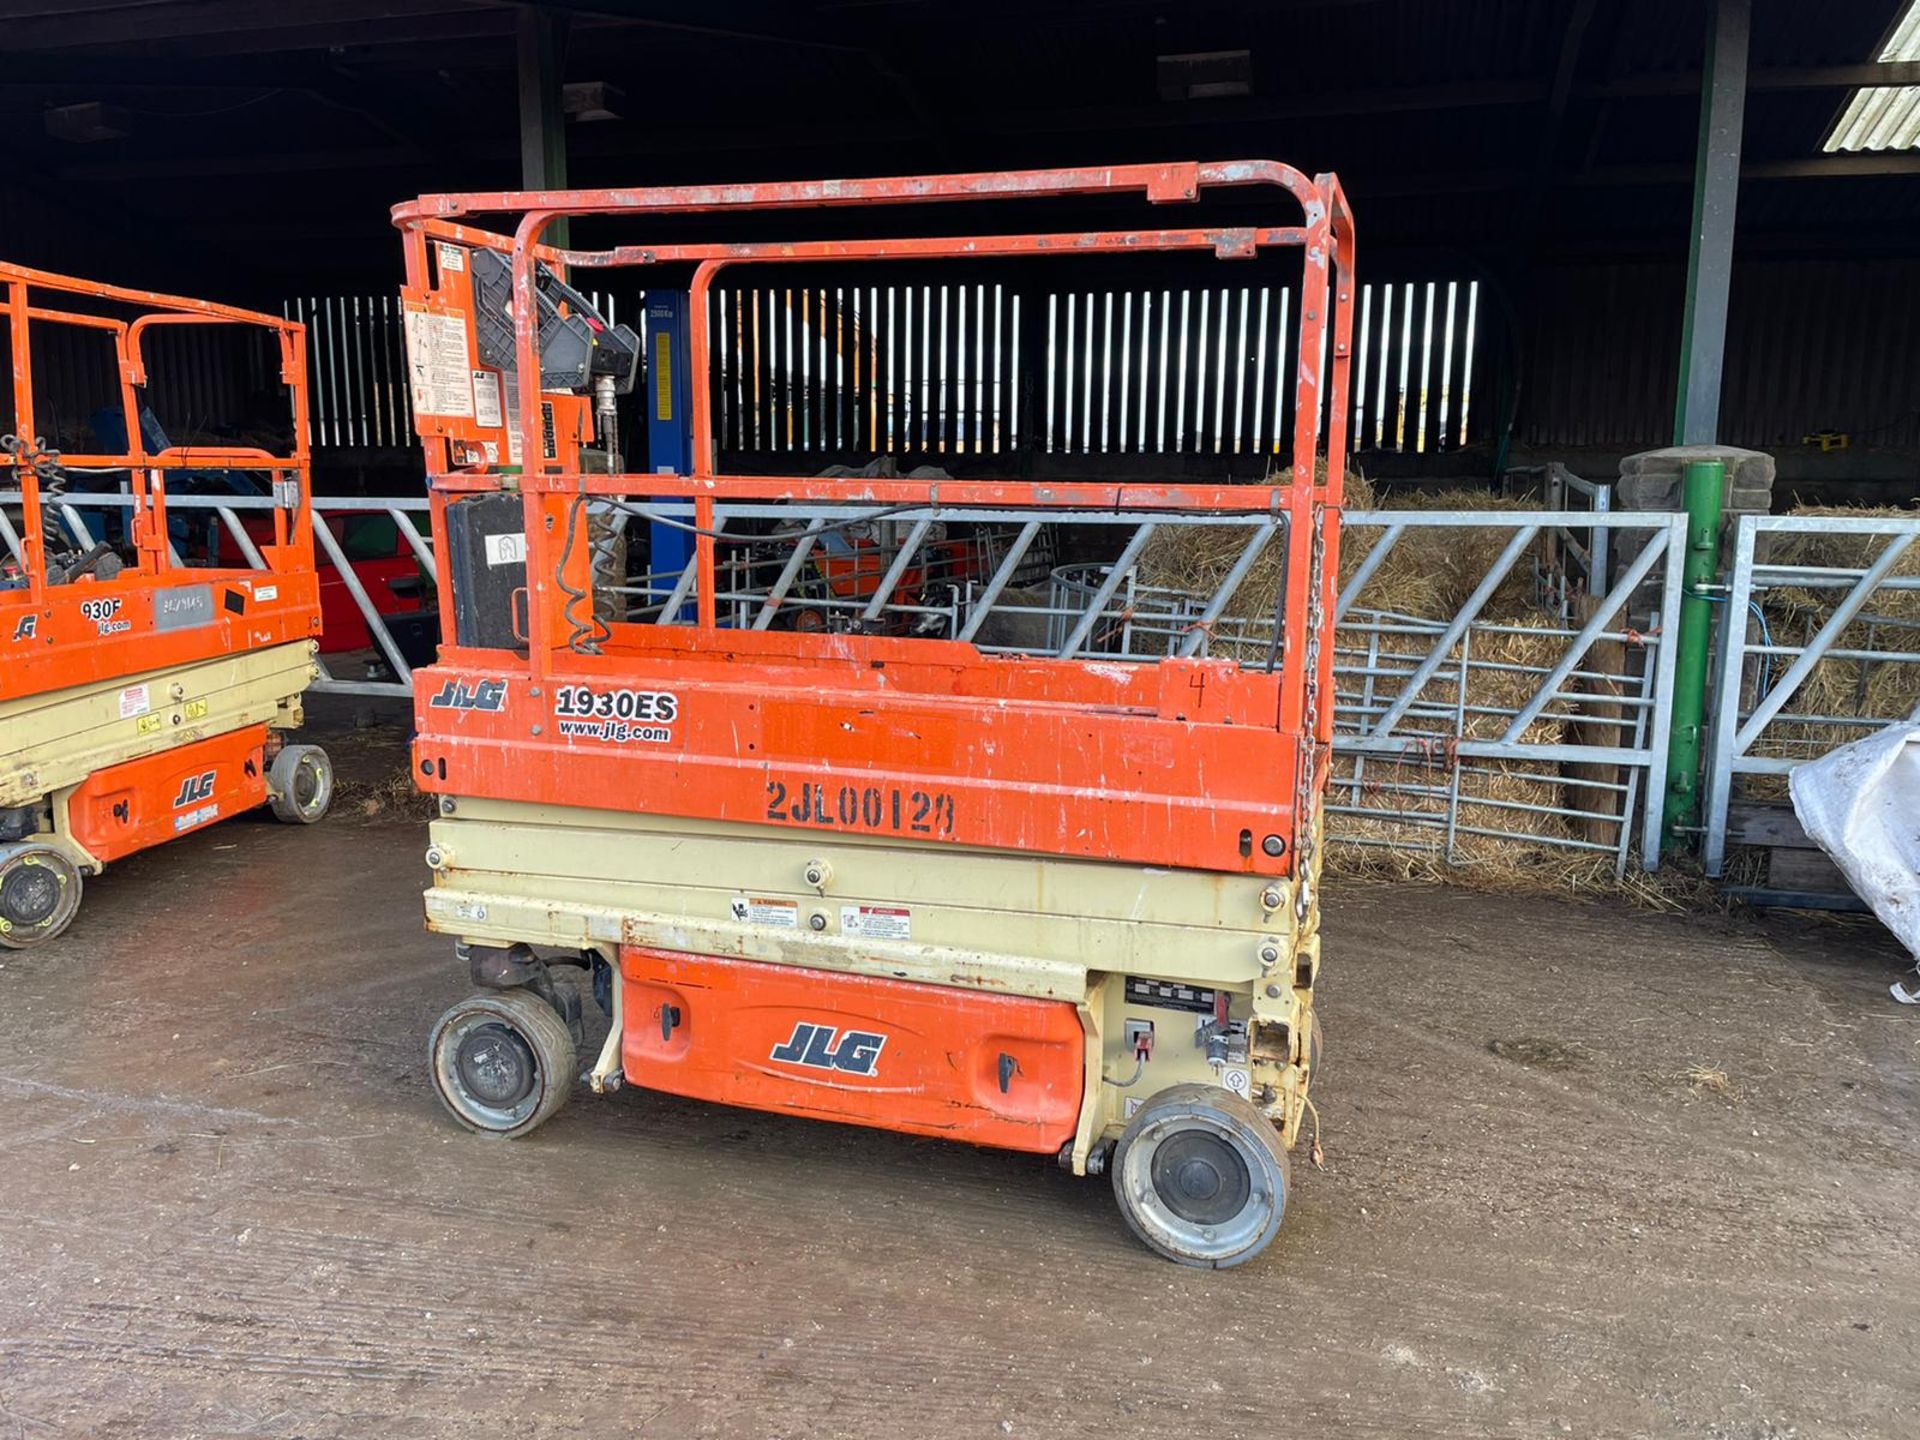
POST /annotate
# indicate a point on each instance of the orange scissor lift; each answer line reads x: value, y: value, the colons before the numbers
x: 140, y: 699
x: 1057, y: 898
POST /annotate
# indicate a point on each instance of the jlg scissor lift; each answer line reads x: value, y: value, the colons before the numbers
x: 140, y: 699
x: 1048, y: 898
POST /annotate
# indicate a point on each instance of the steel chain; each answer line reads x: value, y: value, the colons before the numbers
x: 1306, y: 790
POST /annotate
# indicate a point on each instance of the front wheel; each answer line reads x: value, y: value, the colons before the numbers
x: 300, y: 784
x: 502, y: 1061
x: 1201, y: 1176
x: 39, y: 894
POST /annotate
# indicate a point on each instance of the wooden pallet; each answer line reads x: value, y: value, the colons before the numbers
x: 1799, y: 874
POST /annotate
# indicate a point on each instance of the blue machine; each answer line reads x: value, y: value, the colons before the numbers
x: 669, y: 401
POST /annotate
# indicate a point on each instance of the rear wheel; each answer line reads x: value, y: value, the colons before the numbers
x: 300, y: 784
x: 1201, y: 1176
x: 503, y: 1062
x: 39, y: 894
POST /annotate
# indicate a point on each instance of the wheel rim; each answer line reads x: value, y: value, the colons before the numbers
x: 496, y: 1066
x: 487, y: 1071
x: 1198, y: 1189
x: 1200, y: 1177
x: 29, y: 894
x: 306, y: 785
x: 39, y: 893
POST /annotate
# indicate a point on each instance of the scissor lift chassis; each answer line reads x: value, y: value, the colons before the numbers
x: 1001, y: 923
x: 1039, y: 902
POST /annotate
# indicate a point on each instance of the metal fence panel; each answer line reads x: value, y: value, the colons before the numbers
x: 1853, y: 669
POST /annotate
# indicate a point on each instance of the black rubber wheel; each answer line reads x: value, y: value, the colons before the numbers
x: 1201, y: 1176
x: 300, y: 784
x: 39, y: 894
x: 502, y: 1062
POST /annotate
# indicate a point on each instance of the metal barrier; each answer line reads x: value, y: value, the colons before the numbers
x: 1439, y: 720
x: 1762, y: 673
x: 1574, y: 558
x: 227, y: 509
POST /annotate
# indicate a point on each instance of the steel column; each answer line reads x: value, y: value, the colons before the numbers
x: 1716, y: 187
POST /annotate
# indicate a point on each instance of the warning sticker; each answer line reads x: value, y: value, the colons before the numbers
x: 452, y: 257
x: 486, y: 399
x: 437, y: 364
x: 754, y: 910
x: 266, y: 592
x: 135, y: 700
x: 877, y: 922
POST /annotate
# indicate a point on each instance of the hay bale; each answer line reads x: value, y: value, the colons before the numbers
x: 1428, y: 572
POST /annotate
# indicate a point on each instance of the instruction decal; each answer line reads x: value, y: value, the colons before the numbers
x: 758, y: 910
x: 135, y: 700
x: 877, y: 922
x: 437, y: 363
x: 486, y: 400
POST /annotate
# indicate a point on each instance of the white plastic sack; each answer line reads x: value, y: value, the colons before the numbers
x: 1861, y: 804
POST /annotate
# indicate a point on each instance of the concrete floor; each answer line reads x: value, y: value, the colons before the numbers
x: 230, y: 1206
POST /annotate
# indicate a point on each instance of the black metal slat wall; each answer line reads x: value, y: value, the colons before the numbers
x: 1811, y: 345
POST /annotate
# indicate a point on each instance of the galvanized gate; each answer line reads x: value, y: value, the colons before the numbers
x: 1848, y: 669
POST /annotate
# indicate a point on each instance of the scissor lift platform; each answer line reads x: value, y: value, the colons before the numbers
x: 140, y: 698
x: 822, y: 852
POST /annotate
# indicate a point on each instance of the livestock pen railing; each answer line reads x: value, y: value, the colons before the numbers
x: 1460, y: 725
x: 1819, y: 646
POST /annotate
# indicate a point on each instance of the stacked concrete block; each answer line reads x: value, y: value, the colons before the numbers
x: 1653, y: 480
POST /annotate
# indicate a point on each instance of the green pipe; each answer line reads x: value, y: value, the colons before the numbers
x: 1701, y: 495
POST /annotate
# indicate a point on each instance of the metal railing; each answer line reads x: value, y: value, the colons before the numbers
x: 1574, y: 559
x: 227, y: 510
x: 1454, y: 728
x: 1847, y: 673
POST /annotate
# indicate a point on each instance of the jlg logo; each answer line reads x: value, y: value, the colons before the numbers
x: 857, y: 1053
x: 194, y: 789
x: 457, y: 695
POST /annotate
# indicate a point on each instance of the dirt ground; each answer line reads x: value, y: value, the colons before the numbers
x: 229, y: 1205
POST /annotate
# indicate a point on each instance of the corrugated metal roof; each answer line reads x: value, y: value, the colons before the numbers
x: 1886, y: 117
